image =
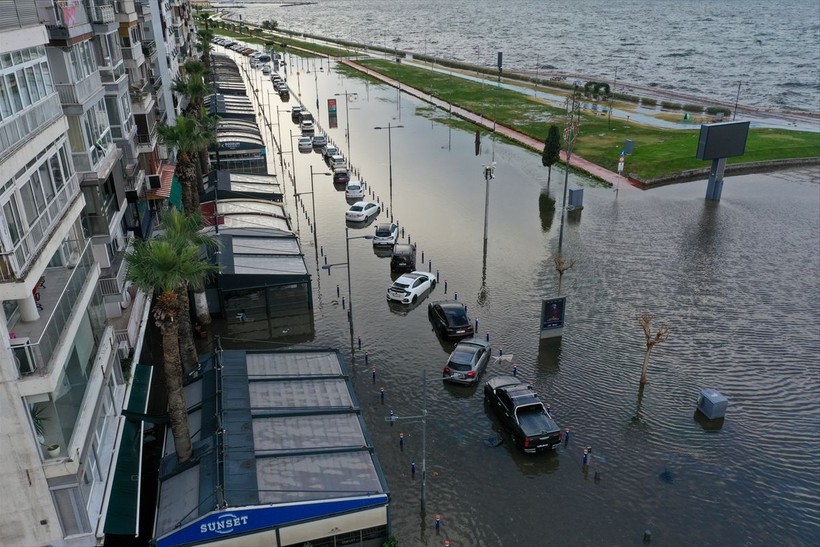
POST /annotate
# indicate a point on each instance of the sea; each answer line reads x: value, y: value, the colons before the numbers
x: 763, y: 54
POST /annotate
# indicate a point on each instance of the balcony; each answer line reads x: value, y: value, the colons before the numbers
x: 19, y: 128
x: 149, y: 50
x: 79, y: 92
x: 103, y: 13
x: 141, y: 99
x: 35, y: 342
x: 133, y: 55
x: 127, y: 326
x: 126, y: 11
x: 13, y: 264
x: 64, y: 20
x: 112, y: 279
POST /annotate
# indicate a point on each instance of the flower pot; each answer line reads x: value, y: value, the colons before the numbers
x: 53, y: 450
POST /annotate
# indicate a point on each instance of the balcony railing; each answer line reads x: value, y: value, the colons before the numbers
x: 78, y: 92
x: 112, y: 279
x: 34, y: 343
x: 17, y: 129
x: 103, y: 13
x: 133, y: 53
x: 56, y: 14
x: 13, y: 263
x: 149, y: 49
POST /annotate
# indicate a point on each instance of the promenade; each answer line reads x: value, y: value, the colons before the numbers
x: 576, y: 162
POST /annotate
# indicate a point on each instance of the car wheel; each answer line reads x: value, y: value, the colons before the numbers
x: 415, y: 298
x: 432, y: 284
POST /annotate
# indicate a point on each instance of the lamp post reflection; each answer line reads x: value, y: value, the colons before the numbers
x: 389, y: 129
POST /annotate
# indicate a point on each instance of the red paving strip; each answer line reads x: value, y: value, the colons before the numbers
x: 576, y: 162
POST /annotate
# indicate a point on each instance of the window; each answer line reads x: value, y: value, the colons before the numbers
x: 13, y: 220
x: 14, y: 91
x: 47, y: 78
x: 5, y: 103
x: 71, y: 510
x: 24, y: 92
x: 56, y: 173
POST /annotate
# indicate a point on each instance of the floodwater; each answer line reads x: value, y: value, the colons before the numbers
x: 736, y: 280
x: 689, y: 46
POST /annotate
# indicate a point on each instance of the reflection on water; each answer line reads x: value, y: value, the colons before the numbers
x: 737, y: 280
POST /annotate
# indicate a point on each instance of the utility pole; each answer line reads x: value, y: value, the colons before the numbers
x: 571, y: 129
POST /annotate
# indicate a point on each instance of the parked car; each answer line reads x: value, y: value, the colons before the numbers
x: 295, y: 113
x: 354, y: 190
x: 386, y: 234
x: 410, y: 286
x: 336, y: 161
x: 449, y: 319
x: 319, y: 140
x: 522, y: 413
x: 284, y: 94
x: 266, y: 69
x: 468, y: 361
x: 361, y: 211
x: 307, y: 127
x: 305, y: 116
x: 305, y: 144
x: 341, y: 176
x: 404, y: 257
x: 328, y: 151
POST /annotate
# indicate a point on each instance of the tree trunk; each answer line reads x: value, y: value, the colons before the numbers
x: 560, y: 281
x: 549, y: 176
x: 201, y: 306
x: 187, y: 176
x: 205, y: 166
x: 177, y: 408
x: 645, y: 365
x: 187, y: 349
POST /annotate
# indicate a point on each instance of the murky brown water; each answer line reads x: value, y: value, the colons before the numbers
x: 738, y: 281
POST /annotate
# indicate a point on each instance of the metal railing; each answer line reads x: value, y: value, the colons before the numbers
x: 149, y: 48
x: 58, y: 14
x: 14, y: 262
x: 130, y: 333
x: 103, y: 13
x: 18, y: 129
x: 78, y: 92
x: 112, y: 279
x: 133, y: 53
x: 33, y: 356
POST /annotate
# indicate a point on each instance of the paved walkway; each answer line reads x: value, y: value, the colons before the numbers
x: 576, y: 162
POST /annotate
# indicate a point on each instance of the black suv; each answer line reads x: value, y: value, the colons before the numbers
x: 404, y: 257
x: 522, y: 413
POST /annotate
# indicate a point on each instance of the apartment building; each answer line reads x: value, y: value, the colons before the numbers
x: 81, y: 93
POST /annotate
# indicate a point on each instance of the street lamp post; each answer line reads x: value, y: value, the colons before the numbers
x: 571, y: 129
x: 293, y: 160
x: 312, y: 203
x: 349, y: 285
x: 423, y: 418
x: 489, y: 174
x: 347, y: 96
x: 279, y: 144
x: 389, y: 129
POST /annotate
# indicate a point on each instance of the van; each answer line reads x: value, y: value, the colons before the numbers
x: 295, y: 113
x: 404, y: 257
x: 305, y: 116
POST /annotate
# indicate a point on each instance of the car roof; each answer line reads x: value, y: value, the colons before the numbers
x: 474, y: 342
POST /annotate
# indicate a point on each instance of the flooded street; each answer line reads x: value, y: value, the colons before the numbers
x: 737, y: 281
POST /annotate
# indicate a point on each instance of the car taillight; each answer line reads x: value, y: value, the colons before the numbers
x: 471, y: 374
x: 526, y: 442
x: 446, y: 370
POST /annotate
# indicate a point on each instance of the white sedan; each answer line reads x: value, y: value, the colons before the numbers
x: 410, y: 286
x: 305, y: 144
x: 362, y: 211
x: 354, y: 190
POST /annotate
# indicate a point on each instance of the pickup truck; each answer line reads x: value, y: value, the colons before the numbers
x: 523, y: 414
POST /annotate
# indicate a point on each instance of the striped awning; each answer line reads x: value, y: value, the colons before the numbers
x: 166, y: 174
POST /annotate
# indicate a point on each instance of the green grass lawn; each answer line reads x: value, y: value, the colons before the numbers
x: 657, y: 152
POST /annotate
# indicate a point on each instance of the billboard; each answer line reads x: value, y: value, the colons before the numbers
x: 331, y: 106
x: 552, y: 316
x: 722, y: 140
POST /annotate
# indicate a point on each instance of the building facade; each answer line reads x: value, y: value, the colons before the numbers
x: 82, y: 90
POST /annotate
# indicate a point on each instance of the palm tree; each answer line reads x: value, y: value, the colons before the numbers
x: 205, y: 36
x: 193, y: 85
x: 184, y: 230
x: 188, y: 137
x: 161, y: 267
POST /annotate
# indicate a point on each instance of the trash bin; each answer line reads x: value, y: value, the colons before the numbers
x: 712, y: 403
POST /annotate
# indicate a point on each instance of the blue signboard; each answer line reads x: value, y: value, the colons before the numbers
x: 240, y: 521
x: 552, y: 316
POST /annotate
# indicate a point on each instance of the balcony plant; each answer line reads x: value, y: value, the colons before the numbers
x: 39, y: 419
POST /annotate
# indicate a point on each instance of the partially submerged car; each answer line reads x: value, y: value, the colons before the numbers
x: 522, y: 414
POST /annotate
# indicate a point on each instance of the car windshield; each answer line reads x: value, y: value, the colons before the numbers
x: 356, y: 208
x: 355, y: 188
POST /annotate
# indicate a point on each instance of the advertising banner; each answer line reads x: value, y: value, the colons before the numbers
x: 552, y: 316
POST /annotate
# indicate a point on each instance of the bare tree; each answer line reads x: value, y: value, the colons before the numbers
x: 645, y: 321
x: 561, y: 266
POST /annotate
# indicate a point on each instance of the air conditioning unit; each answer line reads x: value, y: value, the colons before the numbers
x: 154, y: 181
x: 123, y: 350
